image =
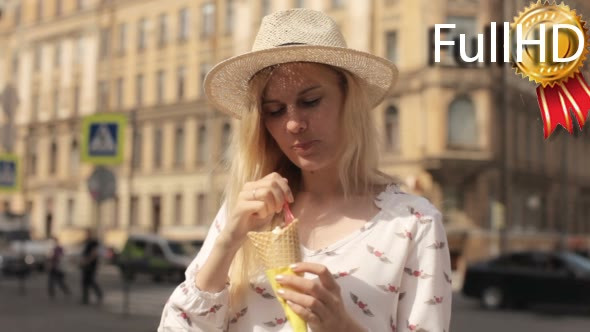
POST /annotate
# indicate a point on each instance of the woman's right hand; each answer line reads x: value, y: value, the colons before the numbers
x: 257, y: 203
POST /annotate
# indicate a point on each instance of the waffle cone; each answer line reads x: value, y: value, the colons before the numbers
x: 277, y: 249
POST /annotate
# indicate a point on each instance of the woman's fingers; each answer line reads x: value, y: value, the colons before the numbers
x: 313, y: 288
x: 274, y: 196
x: 284, y: 186
x: 257, y: 202
x: 257, y: 208
x: 321, y: 271
x: 309, y: 308
x: 272, y: 189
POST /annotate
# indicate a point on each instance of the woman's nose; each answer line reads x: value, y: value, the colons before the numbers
x: 296, y: 123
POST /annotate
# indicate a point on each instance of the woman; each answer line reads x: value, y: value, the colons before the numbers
x: 374, y: 258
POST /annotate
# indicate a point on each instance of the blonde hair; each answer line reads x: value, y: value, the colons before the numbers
x: 255, y: 154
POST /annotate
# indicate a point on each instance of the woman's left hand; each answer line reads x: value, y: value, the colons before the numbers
x: 317, y: 301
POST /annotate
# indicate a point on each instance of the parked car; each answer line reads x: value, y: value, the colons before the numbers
x: 522, y: 278
x: 10, y: 233
x: 196, y: 245
x: 155, y: 256
x: 37, y: 251
x: 14, y: 264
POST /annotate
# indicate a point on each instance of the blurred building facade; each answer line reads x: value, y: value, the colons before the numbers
x: 469, y: 138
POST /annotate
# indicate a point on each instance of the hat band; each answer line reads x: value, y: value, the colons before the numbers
x: 291, y: 44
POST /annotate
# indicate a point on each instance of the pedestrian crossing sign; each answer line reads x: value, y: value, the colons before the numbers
x: 9, y: 173
x: 103, y: 138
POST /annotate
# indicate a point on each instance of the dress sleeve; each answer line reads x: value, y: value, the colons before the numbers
x: 425, y: 292
x: 190, y: 309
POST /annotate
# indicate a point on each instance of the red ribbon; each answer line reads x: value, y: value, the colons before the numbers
x: 557, y: 101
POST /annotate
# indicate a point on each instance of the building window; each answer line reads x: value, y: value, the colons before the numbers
x: 160, y: 85
x: 37, y: 58
x: 156, y: 213
x: 139, y: 89
x: 70, y: 213
x: 17, y: 14
x: 58, y: 7
x: 338, y: 3
x: 137, y: 148
x: 133, y: 210
x: 53, y: 158
x: 55, y: 103
x: 32, y: 157
x: 205, y: 67
x: 452, y: 199
x: 202, y: 151
x: 119, y: 93
x: 463, y: 25
x: 225, y: 141
x: 265, y: 8
x: 79, y: 56
x: 15, y: 64
x: 105, y: 42
x: 141, y: 34
x: 158, y: 148
x: 201, y: 209
x: 208, y: 19
x: 178, y: 209
x: 35, y: 108
x: 76, y: 99
x: 74, y: 157
x: 163, y: 29
x: 229, y: 16
x: 57, y: 55
x: 122, y: 38
x: 462, y: 126
x: 180, y: 81
x: 528, y: 140
x: 103, y: 96
x: 392, y: 129
x: 391, y: 44
x: 115, y: 215
x: 179, y: 146
x: 183, y: 24
x: 40, y: 10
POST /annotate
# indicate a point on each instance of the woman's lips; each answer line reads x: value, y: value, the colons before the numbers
x: 303, y: 147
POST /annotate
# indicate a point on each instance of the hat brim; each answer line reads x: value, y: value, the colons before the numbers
x: 226, y: 85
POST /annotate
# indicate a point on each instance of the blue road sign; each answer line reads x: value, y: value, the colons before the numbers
x: 8, y: 173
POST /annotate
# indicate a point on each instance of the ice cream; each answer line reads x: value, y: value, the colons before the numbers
x: 277, y: 249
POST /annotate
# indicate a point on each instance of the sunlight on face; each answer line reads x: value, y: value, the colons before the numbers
x: 301, y: 107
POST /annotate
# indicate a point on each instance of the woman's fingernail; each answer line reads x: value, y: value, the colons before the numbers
x: 281, y: 291
x: 293, y: 266
x: 279, y: 277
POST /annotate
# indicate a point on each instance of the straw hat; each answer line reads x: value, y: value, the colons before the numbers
x: 295, y: 35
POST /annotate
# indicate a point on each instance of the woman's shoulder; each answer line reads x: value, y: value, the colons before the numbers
x: 397, y: 203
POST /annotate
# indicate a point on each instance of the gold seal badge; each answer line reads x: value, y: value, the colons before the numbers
x: 549, y: 73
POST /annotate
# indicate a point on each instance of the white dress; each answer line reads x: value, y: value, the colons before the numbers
x: 394, y: 274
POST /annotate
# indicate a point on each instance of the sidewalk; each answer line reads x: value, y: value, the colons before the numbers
x: 34, y: 312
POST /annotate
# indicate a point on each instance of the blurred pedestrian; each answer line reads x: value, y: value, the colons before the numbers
x: 89, y: 267
x: 56, y: 273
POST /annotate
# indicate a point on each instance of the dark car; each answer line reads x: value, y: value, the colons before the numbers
x: 522, y: 278
x: 15, y: 265
x: 155, y: 256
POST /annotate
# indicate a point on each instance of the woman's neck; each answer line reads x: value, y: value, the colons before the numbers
x: 323, y: 184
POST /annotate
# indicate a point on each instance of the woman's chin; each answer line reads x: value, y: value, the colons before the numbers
x: 309, y: 165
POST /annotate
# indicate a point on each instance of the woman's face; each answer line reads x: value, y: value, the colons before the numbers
x: 301, y: 108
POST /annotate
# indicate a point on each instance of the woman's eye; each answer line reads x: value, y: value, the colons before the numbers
x: 312, y: 102
x: 275, y: 112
